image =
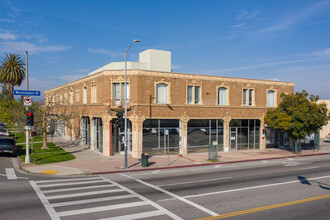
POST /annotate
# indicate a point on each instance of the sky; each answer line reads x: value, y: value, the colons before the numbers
x: 286, y: 40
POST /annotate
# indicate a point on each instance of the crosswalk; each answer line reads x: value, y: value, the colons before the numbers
x: 95, y: 198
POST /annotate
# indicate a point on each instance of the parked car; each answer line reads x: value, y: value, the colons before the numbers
x: 7, y: 145
x: 327, y: 138
x: 4, y: 132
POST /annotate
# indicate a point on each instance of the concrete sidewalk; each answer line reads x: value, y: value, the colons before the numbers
x: 89, y: 162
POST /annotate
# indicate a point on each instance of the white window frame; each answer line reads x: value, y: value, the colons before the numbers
x: 274, y: 104
x: 85, y: 95
x: 166, y: 96
x: 227, y: 96
x: 193, y: 94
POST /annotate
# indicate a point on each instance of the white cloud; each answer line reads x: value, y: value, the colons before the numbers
x: 70, y: 78
x: 256, y: 66
x: 104, y: 52
x: 174, y: 67
x: 297, y: 17
x: 7, y: 20
x: 82, y: 70
x: 7, y: 36
x: 245, y: 14
x: 34, y: 48
x: 238, y: 25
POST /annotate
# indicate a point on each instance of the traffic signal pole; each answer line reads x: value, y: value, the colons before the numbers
x: 27, y: 154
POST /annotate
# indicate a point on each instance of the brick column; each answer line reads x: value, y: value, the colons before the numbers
x: 184, y: 136
x: 106, y: 135
x: 226, y: 134
x: 137, y: 134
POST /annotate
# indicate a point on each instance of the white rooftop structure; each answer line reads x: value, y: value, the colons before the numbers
x: 151, y: 59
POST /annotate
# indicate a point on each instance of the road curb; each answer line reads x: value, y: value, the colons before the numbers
x: 205, y: 164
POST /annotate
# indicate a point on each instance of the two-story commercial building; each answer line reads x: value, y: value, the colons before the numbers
x: 176, y: 112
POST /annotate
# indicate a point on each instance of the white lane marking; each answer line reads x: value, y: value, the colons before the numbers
x: 264, y: 161
x: 253, y: 187
x: 3, y: 174
x: 217, y: 166
x: 174, y: 195
x: 101, y: 208
x: 136, y: 216
x: 83, y: 194
x: 76, y: 188
x: 146, y: 200
x: 11, y: 175
x: 156, y: 171
x: 69, y: 184
x: 292, y: 164
x: 307, y: 168
x: 52, y: 213
x: 77, y: 202
x: 64, y: 180
x: 198, y: 181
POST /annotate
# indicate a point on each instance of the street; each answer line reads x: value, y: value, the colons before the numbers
x: 294, y: 188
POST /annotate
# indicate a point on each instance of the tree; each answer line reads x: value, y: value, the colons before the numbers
x: 12, y: 72
x: 298, y: 115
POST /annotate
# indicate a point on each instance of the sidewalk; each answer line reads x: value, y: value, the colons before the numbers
x: 89, y: 162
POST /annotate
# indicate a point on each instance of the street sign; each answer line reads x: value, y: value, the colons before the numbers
x: 27, y: 101
x: 27, y: 127
x: 27, y: 92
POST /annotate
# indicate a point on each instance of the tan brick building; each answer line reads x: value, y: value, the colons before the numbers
x: 175, y: 112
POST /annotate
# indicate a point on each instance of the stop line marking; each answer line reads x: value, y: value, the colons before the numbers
x: 11, y: 175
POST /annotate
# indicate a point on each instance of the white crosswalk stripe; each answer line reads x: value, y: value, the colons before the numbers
x: 61, y: 198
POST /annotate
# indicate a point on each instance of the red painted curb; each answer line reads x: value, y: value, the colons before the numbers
x: 205, y: 164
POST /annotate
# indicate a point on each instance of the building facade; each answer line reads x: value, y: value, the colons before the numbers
x: 168, y: 112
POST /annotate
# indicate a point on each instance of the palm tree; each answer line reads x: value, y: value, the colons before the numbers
x: 12, y: 72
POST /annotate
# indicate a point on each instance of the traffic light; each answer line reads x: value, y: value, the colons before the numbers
x: 29, y: 118
x: 33, y: 133
x: 120, y: 120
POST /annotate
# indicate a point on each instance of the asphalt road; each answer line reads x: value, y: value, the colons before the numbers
x: 274, y: 189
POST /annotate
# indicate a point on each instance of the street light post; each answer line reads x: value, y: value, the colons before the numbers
x: 125, y: 99
x: 27, y: 155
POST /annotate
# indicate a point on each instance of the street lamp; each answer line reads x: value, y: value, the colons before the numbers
x: 27, y: 155
x: 125, y: 99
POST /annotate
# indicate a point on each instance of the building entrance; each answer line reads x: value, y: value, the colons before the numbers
x: 85, y: 132
x: 117, y: 135
x: 244, y: 134
x: 98, y: 134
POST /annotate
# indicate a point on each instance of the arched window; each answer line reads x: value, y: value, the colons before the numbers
x: 222, y: 96
x: 161, y: 93
x: 71, y: 96
x: 271, y: 98
x: 85, y: 95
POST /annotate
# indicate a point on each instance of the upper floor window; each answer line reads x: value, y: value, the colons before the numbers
x: 248, y: 97
x: 222, y: 96
x: 271, y: 98
x: 118, y: 93
x: 77, y: 96
x: 93, y: 94
x: 85, y: 95
x: 71, y: 96
x: 61, y: 99
x: 193, y: 95
x: 161, y: 93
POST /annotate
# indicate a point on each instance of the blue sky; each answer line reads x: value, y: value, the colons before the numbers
x: 285, y: 40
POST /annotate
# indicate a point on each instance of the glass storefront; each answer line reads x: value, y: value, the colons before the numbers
x: 98, y: 134
x: 161, y: 136
x: 276, y: 138
x: 244, y: 134
x: 85, y: 131
x: 117, y: 134
x: 202, y: 132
